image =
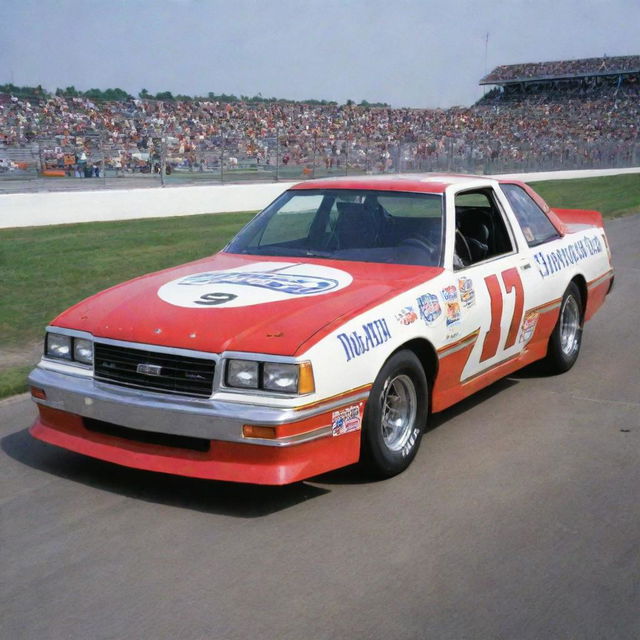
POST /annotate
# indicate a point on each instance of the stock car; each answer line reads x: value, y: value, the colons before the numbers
x: 326, y: 332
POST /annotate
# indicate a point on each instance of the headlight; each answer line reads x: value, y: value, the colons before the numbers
x: 59, y: 346
x: 242, y: 374
x: 83, y: 350
x: 280, y: 377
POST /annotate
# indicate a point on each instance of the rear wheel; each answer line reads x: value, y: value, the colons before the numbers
x: 566, y: 339
x: 395, y: 415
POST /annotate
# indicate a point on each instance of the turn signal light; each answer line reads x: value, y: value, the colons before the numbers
x: 251, y: 431
x: 305, y: 381
x: 36, y: 392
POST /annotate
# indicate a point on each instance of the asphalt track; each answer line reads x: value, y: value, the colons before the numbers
x: 520, y: 518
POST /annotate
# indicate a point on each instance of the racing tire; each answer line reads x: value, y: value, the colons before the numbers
x: 395, y: 415
x: 566, y: 339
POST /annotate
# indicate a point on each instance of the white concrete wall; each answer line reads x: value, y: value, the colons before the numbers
x: 63, y: 207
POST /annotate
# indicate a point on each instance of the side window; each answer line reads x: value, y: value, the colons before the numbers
x: 481, y: 232
x: 535, y: 225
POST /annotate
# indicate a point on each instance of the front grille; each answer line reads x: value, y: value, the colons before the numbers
x: 147, y: 437
x: 167, y: 372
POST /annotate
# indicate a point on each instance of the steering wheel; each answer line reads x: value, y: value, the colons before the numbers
x: 465, y: 259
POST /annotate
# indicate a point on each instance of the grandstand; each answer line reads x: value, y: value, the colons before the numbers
x: 585, y: 76
x: 573, y: 114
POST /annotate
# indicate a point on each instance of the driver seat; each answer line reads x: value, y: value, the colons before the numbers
x: 356, y: 226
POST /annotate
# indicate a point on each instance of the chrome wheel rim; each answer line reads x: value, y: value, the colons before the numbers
x: 569, y: 326
x: 399, y: 408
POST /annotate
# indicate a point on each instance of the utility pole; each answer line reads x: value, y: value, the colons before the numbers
x: 486, y: 49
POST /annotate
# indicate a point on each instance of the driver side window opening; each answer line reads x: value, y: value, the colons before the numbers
x: 481, y: 232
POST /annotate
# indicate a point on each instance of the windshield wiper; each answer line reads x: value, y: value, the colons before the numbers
x: 314, y: 253
x: 272, y: 250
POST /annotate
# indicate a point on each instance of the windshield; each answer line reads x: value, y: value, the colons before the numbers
x: 341, y: 224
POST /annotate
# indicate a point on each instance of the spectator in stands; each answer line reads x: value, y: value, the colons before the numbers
x: 586, y: 119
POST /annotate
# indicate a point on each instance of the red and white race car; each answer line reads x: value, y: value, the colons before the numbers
x: 326, y: 332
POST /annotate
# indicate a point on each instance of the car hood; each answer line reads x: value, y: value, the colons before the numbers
x: 243, y: 303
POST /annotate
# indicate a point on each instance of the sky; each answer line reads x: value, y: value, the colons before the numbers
x: 408, y: 53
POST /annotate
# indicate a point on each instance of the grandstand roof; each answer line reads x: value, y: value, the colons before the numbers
x: 562, y: 70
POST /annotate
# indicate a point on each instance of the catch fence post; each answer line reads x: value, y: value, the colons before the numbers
x: 102, y: 162
x: 277, y: 154
x: 163, y: 157
x: 221, y: 156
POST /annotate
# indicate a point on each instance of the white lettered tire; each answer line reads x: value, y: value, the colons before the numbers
x: 395, y: 415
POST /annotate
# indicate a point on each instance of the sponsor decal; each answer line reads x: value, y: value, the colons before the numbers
x: 549, y: 262
x: 346, y: 420
x: 450, y: 293
x: 429, y: 307
x: 294, y: 284
x: 467, y: 292
x: 407, y: 315
x: 253, y: 284
x: 372, y: 335
x: 528, y: 234
x: 452, y: 310
x: 529, y: 323
x: 453, y: 313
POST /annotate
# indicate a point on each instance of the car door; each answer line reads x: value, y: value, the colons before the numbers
x: 491, y: 288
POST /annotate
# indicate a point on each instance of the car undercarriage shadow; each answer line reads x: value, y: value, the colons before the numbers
x: 209, y: 496
x: 436, y: 419
x: 536, y: 369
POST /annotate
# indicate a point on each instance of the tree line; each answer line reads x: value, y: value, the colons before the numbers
x: 120, y: 95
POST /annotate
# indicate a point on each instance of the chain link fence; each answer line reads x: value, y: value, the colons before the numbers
x: 166, y: 160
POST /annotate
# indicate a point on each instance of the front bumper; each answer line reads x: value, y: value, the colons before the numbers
x: 304, y: 443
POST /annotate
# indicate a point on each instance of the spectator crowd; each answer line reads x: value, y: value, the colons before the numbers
x: 563, y: 69
x: 72, y: 132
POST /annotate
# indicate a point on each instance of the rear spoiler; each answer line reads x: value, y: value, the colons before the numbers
x: 572, y: 220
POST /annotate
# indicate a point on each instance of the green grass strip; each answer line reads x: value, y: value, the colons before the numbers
x: 44, y: 270
x: 613, y: 196
x: 13, y: 380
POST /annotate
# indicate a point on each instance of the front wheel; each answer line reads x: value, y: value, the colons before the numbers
x: 395, y: 415
x: 566, y: 339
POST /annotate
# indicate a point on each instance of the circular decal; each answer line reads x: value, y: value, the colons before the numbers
x: 253, y: 284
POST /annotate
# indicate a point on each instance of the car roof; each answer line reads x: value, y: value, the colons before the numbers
x: 420, y: 183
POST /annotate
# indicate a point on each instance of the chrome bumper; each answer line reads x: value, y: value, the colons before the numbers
x: 165, y: 413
